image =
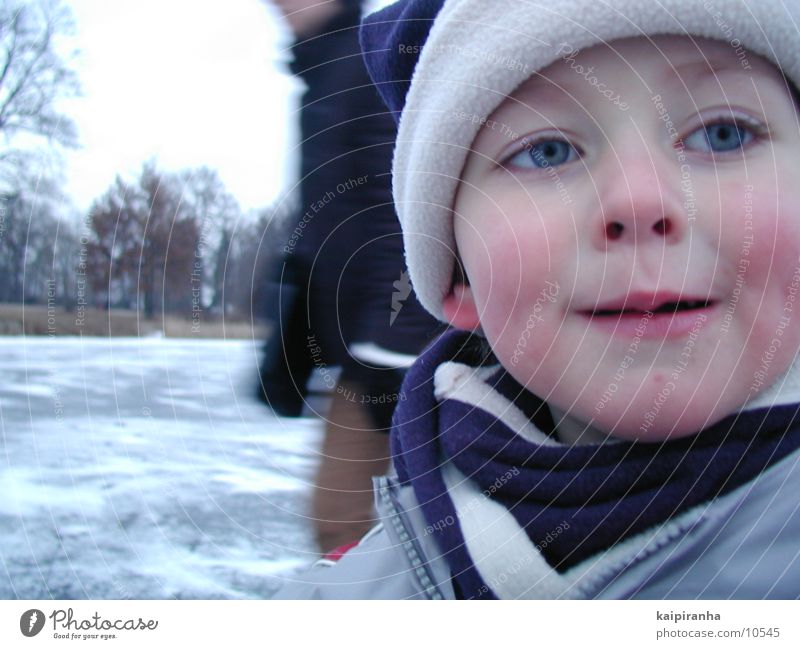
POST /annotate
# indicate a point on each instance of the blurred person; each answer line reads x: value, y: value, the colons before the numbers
x: 341, y: 296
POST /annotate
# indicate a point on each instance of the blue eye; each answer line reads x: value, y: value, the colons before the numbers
x: 543, y: 154
x: 719, y: 138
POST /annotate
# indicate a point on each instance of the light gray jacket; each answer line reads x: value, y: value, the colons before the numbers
x: 744, y: 545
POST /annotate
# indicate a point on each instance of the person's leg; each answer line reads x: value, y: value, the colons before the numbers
x: 352, y: 453
x: 286, y: 363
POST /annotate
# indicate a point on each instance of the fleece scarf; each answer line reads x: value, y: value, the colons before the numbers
x: 497, y: 487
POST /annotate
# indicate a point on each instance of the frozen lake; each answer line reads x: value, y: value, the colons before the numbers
x: 146, y: 469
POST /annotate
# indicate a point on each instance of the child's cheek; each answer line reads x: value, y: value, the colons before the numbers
x: 522, y: 295
x: 769, y: 237
x: 766, y: 242
x: 751, y: 232
x: 777, y: 258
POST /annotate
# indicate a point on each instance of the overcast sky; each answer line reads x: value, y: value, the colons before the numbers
x: 187, y: 83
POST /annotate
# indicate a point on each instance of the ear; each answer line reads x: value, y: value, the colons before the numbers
x: 459, y: 308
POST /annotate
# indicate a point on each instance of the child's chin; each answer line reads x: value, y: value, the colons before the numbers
x: 666, y: 413
x: 669, y: 426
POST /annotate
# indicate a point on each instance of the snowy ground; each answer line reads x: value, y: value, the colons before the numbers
x: 145, y: 468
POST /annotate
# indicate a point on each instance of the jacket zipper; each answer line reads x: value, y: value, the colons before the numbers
x: 425, y: 581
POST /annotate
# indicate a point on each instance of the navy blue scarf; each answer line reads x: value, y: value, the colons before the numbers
x: 605, y: 493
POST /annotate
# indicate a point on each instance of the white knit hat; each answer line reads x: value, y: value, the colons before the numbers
x: 479, y: 51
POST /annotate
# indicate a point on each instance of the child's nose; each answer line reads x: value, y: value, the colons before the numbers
x: 640, y: 202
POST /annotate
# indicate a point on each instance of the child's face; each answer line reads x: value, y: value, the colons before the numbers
x: 611, y: 187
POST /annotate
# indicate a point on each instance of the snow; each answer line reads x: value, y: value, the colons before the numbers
x: 146, y: 469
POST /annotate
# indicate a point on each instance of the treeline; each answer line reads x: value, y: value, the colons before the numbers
x: 174, y: 243
x: 161, y: 243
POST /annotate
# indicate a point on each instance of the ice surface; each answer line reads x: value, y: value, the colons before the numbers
x: 145, y: 468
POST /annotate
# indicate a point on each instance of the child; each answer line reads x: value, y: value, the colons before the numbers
x: 603, y: 198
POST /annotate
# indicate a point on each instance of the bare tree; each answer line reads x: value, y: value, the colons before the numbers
x: 66, y: 256
x: 217, y: 214
x: 114, y: 244
x: 143, y: 243
x: 15, y: 215
x: 244, y: 261
x: 37, y: 249
x: 34, y: 75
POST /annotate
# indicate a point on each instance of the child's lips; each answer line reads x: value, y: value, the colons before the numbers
x: 651, y: 315
x: 644, y: 301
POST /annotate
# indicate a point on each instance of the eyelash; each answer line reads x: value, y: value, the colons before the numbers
x: 753, y: 130
x: 529, y: 146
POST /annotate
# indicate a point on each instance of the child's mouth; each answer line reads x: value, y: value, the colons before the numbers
x: 644, y: 316
x: 666, y: 307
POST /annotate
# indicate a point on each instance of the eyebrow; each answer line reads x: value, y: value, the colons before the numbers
x: 699, y: 70
x: 548, y: 91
